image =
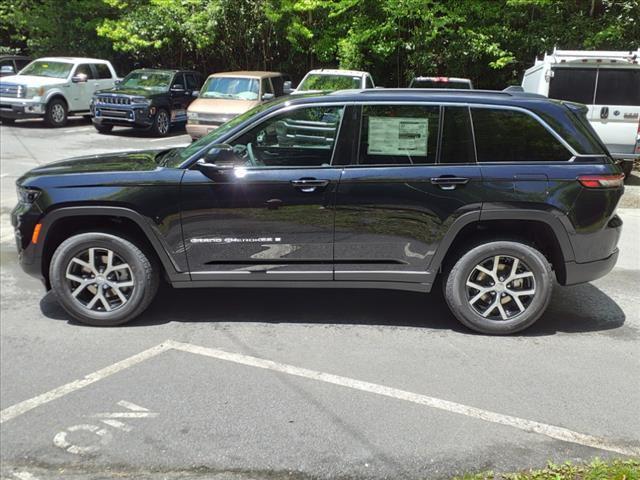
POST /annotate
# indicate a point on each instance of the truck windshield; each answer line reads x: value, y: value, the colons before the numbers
x: 318, y: 81
x: 157, y: 81
x: 231, y: 88
x: 47, y: 69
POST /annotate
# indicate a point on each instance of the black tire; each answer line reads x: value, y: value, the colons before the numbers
x: 8, y: 121
x: 459, y: 295
x: 144, y: 278
x: 103, y: 128
x: 161, y: 123
x: 56, y: 114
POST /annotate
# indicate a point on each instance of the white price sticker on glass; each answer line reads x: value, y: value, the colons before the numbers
x: 398, y: 136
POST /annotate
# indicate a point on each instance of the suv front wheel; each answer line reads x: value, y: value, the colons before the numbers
x: 102, y: 279
x: 499, y: 287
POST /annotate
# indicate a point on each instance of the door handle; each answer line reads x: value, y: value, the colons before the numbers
x: 604, y: 112
x: 449, y: 182
x: 309, y: 185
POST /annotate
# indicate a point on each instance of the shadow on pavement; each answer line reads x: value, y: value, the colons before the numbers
x: 38, y: 123
x: 582, y: 308
x: 139, y: 133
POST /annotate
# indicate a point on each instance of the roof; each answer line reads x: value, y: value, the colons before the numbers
x: 72, y: 60
x: 19, y: 57
x: 329, y: 71
x: 591, y: 56
x: 247, y: 74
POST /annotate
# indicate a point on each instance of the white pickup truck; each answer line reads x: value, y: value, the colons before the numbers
x: 53, y: 88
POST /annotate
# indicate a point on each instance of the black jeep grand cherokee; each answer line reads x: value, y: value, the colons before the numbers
x: 146, y: 99
x: 495, y: 193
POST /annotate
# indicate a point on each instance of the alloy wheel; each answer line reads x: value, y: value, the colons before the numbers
x: 163, y: 122
x: 57, y: 113
x: 100, y: 280
x: 500, y: 288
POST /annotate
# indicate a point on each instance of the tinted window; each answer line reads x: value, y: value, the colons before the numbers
x: 301, y: 138
x: 440, y: 83
x: 457, y: 136
x: 178, y: 79
x: 573, y: 84
x: 266, y: 86
x: 22, y: 63
x: 192, y: 83
x: 618, y: 87
x: 511, y: 136
x: 84, y: 69
x: 398, y: 134
x: 278, y: 85
x: 369, y: 82
x: 102, y: 70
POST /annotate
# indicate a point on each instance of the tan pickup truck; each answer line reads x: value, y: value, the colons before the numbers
x: 225, y: 95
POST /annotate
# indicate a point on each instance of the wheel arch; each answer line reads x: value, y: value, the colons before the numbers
x: 542, y: 229
x: 60, y: 224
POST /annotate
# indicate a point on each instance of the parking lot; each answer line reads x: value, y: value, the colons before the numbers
x: 299, y: 383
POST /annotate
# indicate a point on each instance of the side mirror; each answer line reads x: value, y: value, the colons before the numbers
x: 117, y: 82
x: 287, y: 88
x: 219, y: 157
x: 80, y: 78
x: 195, y: 94
x: 268, y: 96
x: 178, y: 88
x: 6, y: 69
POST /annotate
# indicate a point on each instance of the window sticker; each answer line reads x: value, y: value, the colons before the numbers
x: 398, y: 136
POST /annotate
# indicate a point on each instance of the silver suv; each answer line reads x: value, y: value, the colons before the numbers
x: 53, y: 88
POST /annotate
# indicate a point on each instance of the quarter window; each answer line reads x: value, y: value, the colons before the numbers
x: 304, y: 137
x: 513, y: 136
x: 266, y: 86
x: 398, y: 135
x: 457, y: 136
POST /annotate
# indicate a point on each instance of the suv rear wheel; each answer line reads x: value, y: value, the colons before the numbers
x: 56, y: 113
x: 101, y: 279
x: 499, y: 287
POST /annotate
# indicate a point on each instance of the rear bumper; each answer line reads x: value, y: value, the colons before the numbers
x: 586, y: 272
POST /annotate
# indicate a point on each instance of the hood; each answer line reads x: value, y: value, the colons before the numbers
x: 32, y: 81
x: 222, y: 105
x: 105, y: 163
x: 134, y: 92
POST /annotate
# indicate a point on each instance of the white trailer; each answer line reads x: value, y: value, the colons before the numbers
x: 608, y: 83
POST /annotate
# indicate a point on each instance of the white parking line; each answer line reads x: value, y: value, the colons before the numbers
x: 24, y: 476
x: 552, y: 431
x: 162, y: 139
x: 77, y: 129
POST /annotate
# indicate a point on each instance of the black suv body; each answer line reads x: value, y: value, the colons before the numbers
x: 493, y: 192
x: 147, y: 99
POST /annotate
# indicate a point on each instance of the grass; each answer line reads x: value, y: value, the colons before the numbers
x: 596, y: 470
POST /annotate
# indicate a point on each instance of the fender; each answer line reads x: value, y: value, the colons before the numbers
x: 158, y: 245
x: 559, y: 224
x: 57, y: 91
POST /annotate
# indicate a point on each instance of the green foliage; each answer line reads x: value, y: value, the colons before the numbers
x: 596, y: 470
x: 490, y: 41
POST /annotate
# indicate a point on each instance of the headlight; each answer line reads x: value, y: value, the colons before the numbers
x: 35, y: 92
x: 22, y: 90
x: 192, y: 115
x: 28, y: 195
x: 141, y: 101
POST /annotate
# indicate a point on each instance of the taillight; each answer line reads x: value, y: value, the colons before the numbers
x: 602, y: 181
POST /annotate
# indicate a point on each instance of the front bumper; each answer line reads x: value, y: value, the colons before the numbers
x: 198, y: 130
x: 586, y: 272
x: 24, y: 218
x: 21, y: 107
x: 138, y: 116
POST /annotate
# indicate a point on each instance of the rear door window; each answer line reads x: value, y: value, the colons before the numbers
x: 573, y: 84
x: 618, y: 86
x: 398, y: 134
x: 514, y: 136
x: 102, y: 70
x: 457, y: 136
x: 192, y: 83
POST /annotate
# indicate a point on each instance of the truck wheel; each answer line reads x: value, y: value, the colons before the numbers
x: 161, y: 124
x: 8, y: 121
x: 56, y: 113
x: 101, y: 279
x: 103, y: 128
x: 499, y: 287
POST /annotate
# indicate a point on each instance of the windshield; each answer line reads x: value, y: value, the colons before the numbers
x: 47, y: 69
x: 177, y: 156
x: 148, y: 80
x: 231, y: 88
x: 457, y: 84
x: 317, y: 81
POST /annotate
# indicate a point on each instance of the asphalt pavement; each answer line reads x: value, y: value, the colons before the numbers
x: 302, y: 384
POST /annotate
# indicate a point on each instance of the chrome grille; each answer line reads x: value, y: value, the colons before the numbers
x: 11, y: 90
x: 113, y: 100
